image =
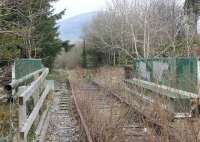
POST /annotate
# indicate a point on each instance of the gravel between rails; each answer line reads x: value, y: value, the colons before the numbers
x: 64, y: 124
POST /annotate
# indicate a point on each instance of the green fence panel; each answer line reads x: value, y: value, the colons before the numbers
x: 180, y: 73
x: 26, y: 66
x: 187, y: 74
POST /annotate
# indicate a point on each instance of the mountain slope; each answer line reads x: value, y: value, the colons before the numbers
x: 70, y: 29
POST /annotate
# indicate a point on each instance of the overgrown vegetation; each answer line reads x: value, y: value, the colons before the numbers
x: 127, y: 29
x: 69, y: 59
x: 101, y: 124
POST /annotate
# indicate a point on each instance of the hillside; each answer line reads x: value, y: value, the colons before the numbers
x: 70, y: 29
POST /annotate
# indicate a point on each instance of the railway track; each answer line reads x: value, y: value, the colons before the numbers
x: 149, y: 115
x: 64, y: 122
x: 69, y: 121
x: 124, y: 122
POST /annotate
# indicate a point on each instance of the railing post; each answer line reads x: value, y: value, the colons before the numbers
x: 23, y: 137
x: 22, y: 113
x: 36, y: 97
x: 22, y: 118
x: 22, y: 108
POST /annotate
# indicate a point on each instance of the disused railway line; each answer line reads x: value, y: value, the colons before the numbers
x: 64, y: 123
x: 109, y: 101
x: 153, y: 120
x: 174, y: 134
x: 132, y: 130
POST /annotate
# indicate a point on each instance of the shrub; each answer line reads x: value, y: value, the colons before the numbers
x: 68, y: 60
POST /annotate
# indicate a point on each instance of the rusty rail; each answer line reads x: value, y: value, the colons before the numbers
x: 114, y: 94
x: 148, y: 118
x: 86, y: 128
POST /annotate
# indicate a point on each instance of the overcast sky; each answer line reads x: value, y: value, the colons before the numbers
x: 76, y: 7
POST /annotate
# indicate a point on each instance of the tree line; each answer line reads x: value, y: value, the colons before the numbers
x: 28, y: 30
x: 142, y: 29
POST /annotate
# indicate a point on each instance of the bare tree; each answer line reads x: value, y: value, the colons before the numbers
x: 139, y: 28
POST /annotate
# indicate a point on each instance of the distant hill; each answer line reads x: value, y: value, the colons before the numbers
x: 70, y: 29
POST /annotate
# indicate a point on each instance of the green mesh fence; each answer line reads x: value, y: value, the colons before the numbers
x: 180, y: 73
x: 26, y: 66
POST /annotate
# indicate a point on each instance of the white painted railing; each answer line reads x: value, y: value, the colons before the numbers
x: 172, y: 93
x: 162, y: 89
x: 38, y: 90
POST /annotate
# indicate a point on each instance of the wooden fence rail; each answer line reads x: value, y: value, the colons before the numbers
x: 162, y: 89
x: 38, y: 90
x: 181, y: 102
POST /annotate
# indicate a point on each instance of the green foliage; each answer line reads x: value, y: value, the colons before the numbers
x: 31, y: 135
x: 32, y: 30
x: 9, y: 53
x: 46, y: 35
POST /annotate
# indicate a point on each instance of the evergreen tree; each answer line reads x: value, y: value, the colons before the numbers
x: 31, y: 26
x: 46, y: 35
x: 84, y: 56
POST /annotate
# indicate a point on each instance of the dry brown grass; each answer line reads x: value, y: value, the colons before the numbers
x: 8, y: 120
x: 100, y: 121
x: 185, y: 130
x: 104, y: 127
x: 4, y: 120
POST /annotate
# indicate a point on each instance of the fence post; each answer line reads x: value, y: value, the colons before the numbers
x: 36, y: 97
x: 22, y: 118
x: 22, y: 107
